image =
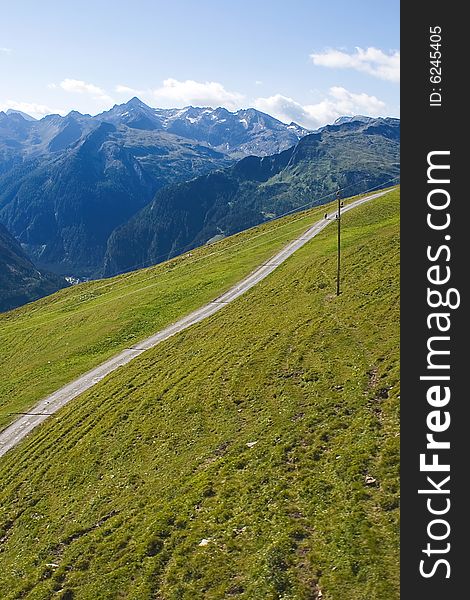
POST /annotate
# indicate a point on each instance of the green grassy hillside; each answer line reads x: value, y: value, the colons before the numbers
x: 253, y: 456
x: 49, y: 343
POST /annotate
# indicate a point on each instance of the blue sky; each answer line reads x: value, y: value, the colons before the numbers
x: 304, y: 60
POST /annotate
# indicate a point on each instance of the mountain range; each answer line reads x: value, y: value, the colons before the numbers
x: 354, y: 156
x: 67, y: 182
x: 236, y: 134
x: 90, y: 196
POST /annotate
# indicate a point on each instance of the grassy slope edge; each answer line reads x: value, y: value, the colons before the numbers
x: 269, y: 430
x: 50, y: 342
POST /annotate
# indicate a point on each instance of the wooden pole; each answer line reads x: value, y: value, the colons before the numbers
x: 338, y: 273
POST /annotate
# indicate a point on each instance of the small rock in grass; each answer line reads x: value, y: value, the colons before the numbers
x: 251, y: 444
x: 204, y: 542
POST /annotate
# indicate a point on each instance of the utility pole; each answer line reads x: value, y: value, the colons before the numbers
x: 338, y: 217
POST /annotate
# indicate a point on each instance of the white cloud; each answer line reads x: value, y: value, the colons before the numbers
x: 31, y: 108
x: 81, y: 87
x: 176, y: 93
x: 124, y: 89
x: 340, y: 102
x: 5, y: 50
x: 283, y: 108
x: 75, y: 85
x: 372, y: 61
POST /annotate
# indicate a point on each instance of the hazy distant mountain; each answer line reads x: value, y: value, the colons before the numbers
x: 355, y: 155
x: 361, y: 118
x: 12, y: 111
x: 235, y: 134
x: 20, y: 280
x: 240, y: 133
x: 22, y: 139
